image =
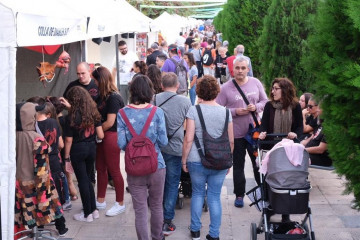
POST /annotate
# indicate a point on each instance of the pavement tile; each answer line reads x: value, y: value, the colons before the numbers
x: 333, y: 219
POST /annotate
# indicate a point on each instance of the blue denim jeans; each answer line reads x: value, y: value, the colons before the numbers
x: 213, y: 179
x: 171, y: 187
x: 192, y: 93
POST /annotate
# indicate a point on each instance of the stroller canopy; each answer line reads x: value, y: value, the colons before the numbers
x: 282, y: 174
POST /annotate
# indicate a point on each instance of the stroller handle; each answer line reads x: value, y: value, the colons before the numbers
x: 277, y: 137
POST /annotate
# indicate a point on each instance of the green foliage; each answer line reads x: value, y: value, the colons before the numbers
x: 155, y: 12
x: 283, y: 42
x: 241, y: 23
x: 334, y: 59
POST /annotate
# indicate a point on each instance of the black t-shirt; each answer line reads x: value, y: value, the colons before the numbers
x: 92, y: 88
x: 62, y: 125
x: 51, y: 131
x: 80, y: 134
x: 319, y: 159
x: 111, y: 105
x: 219, y: 63
x: 151, y: 59
x: 312, y: 122
x: 189, y: 41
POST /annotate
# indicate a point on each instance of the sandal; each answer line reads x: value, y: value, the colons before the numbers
x: 74, y: 198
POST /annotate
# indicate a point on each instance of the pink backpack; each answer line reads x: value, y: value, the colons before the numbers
x: 140, y: 154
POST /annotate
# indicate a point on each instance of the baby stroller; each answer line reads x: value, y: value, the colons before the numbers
x: 284, y: 190
x: 185, y: 190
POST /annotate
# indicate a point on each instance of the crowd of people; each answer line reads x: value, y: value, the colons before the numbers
x: 159, y: 95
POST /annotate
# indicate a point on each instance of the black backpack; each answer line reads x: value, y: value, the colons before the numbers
x: 181, y: 73
x: 207, y: 58
x: 218, y: 154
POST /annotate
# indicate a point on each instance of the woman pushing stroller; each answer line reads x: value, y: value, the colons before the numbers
x: 282, y: 114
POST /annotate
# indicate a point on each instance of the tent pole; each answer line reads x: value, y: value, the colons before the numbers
x: 117, y: 61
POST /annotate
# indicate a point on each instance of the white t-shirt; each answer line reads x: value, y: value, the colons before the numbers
x: 126, y: 63
x: 180, y: 41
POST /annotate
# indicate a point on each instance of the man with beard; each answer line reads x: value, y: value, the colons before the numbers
x: 126, y: 61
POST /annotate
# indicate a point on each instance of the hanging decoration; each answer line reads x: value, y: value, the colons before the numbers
x: 63, y: 61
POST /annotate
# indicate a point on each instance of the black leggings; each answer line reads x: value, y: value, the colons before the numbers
x: 83, y: 156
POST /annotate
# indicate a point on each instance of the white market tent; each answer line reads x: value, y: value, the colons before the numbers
x: 43, y: 22
x: 169, y: 25
x: 109, y: 17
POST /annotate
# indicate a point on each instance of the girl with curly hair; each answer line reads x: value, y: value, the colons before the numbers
x: 83, y: 126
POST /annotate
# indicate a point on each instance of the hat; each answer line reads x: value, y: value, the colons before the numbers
x: 225, y: 43
x: 154, y: 46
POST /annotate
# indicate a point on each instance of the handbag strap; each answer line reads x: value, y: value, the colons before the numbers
x: 196, y: 139
x: 146, y: 125
x: 165, y: 100
x: 169, y: 137
x: 201, y: 118
x: 202, y: 122
x: 246, y: 102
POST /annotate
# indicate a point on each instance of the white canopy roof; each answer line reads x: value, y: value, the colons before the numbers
x: 51, y: 22
x: 110, y: 17
x: 43, y: 22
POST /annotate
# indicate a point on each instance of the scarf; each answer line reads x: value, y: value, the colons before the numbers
x: 282, y: 119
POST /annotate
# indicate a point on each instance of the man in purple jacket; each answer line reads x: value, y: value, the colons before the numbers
x: 230, y: 97
x: 170, y: 66
x: 175, y: 54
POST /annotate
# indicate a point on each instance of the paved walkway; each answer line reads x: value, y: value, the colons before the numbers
x: 333, y: 218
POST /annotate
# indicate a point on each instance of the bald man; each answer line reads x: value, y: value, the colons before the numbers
x: 84, y: 80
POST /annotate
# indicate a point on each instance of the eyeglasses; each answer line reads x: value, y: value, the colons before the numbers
x: 311, y: 106
x: 123, y: 49
x: 275, y: 88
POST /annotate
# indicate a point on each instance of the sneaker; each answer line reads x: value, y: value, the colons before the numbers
x: 208, y: 237
x: 80, y: 217
x: 168, y: 228
x: 96, y: 214
x: 195, y: 235
x: 101, y: 206
x: 67, y: 206
x: 239, y: 202
x: 115, y: 210
x: 63, y: 232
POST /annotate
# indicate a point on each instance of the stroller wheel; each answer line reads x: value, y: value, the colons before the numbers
x: 312, y: 234
x: 205, y: 206
x: 253, y: 231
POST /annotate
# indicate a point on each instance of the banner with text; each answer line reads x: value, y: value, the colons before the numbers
x: 35, y: 30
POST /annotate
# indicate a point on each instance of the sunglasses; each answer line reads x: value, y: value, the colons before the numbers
x: 275, y: 88
x: 311, y: 106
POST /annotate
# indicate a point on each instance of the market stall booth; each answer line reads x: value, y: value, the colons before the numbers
x: 39, y: 24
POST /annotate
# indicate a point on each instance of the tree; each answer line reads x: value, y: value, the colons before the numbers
x: 241, y: 22
x: 283, y: 42
x: 155, y: 12
x: 334, y: 59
